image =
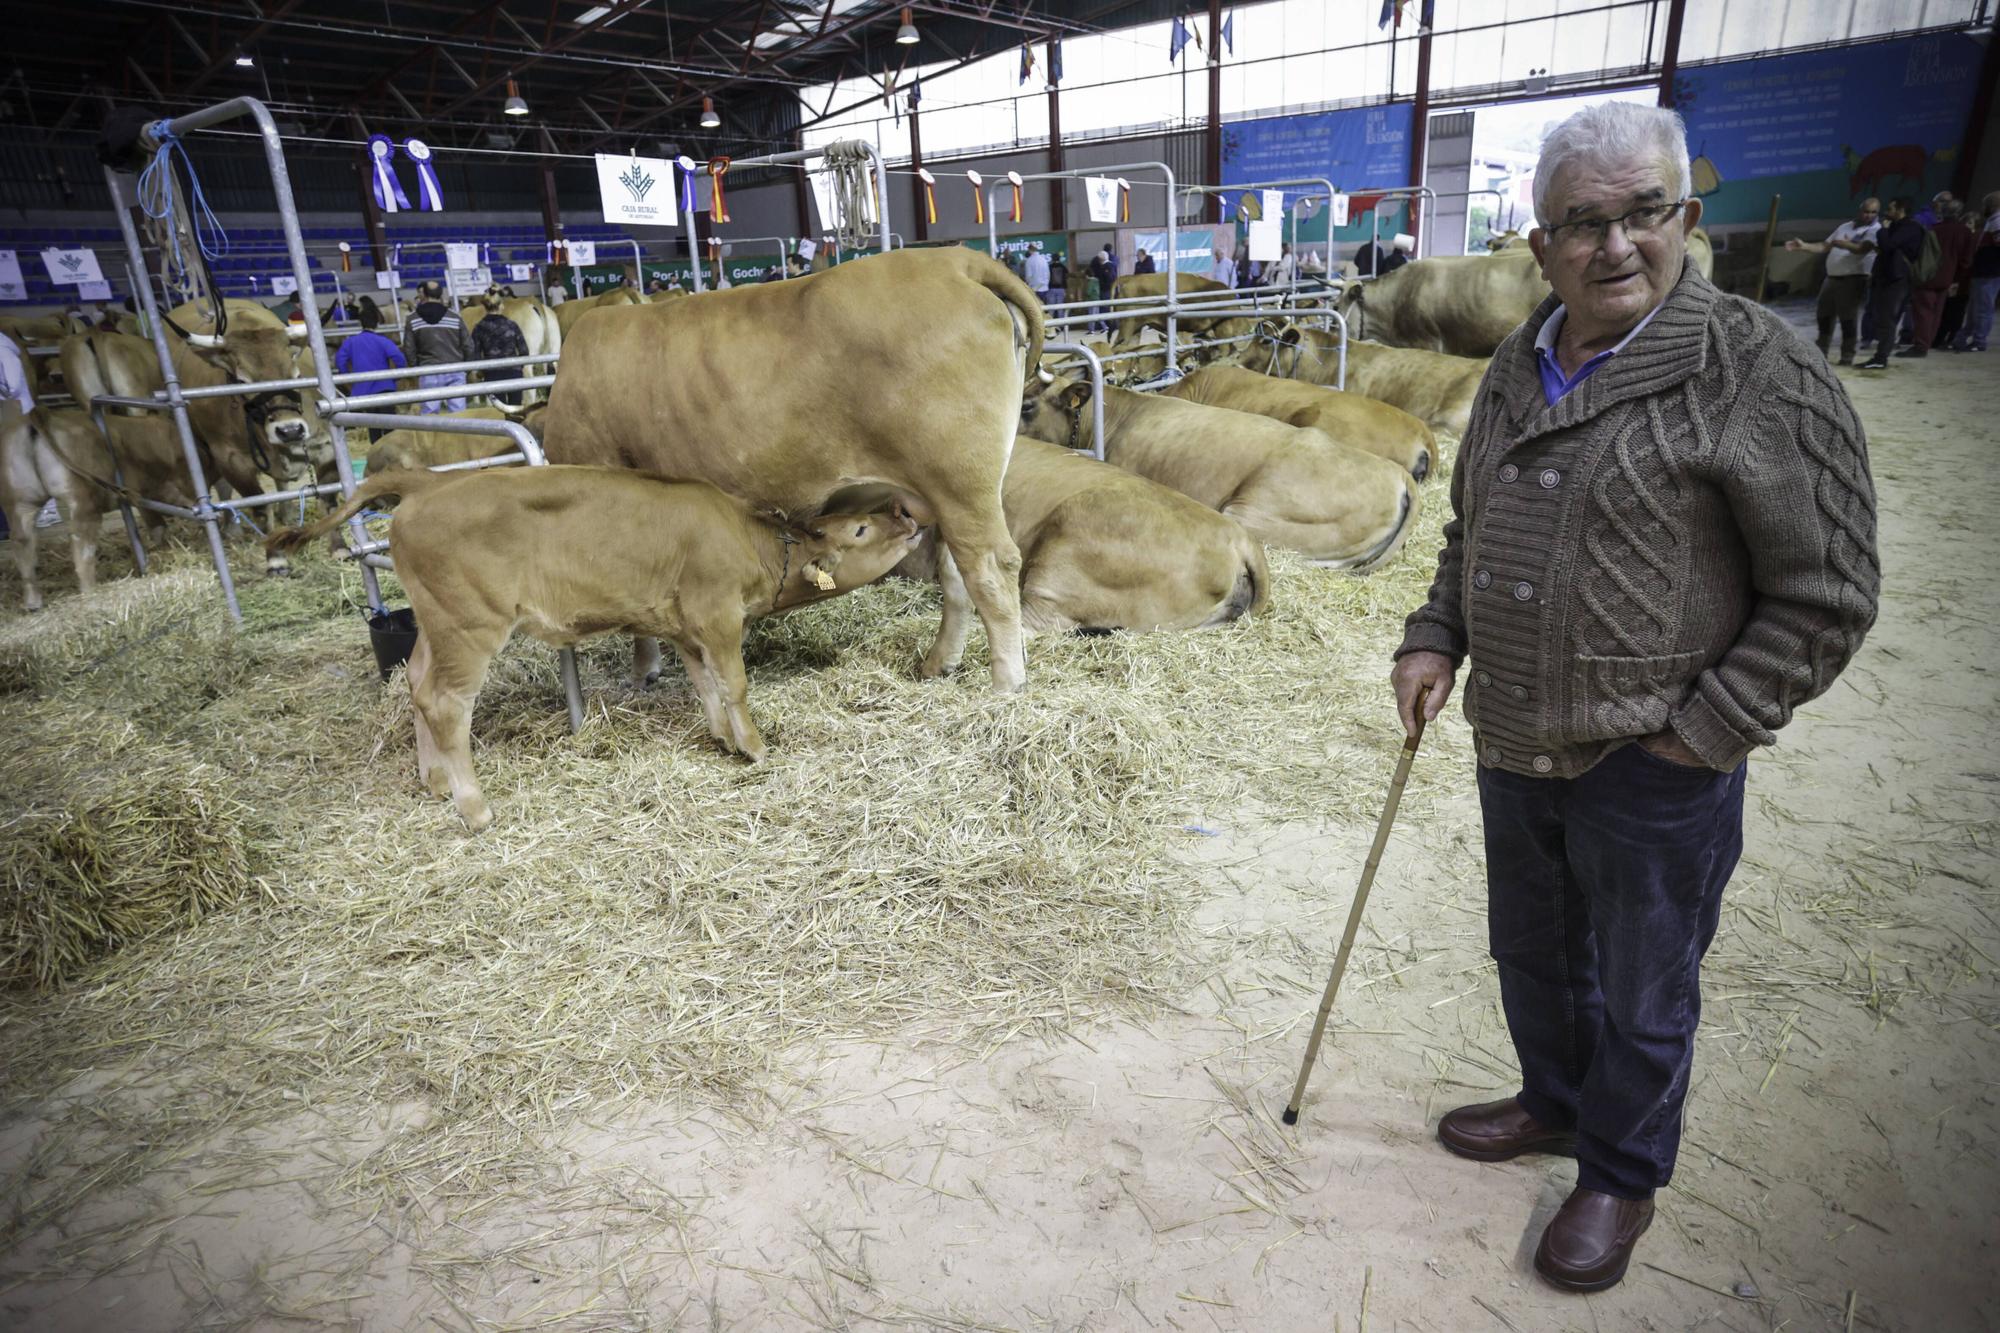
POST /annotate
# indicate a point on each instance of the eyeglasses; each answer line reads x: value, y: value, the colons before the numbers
x: 1593, y: 232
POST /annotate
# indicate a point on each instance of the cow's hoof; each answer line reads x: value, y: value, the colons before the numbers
x: 930, y: 670
x: 476, y: 814
x: 33, y: 606
x: 277, y: 569
x: 1422, y: 468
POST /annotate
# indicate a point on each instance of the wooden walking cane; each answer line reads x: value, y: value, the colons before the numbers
x: 1360, y: 902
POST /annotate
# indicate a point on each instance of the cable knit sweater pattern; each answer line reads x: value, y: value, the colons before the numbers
x: 1686, y: 540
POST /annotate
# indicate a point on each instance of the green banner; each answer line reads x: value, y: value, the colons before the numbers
x: 1053, y: 243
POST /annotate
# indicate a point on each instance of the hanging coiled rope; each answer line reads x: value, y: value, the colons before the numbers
x: 180, y: 222
x: 854, y: 223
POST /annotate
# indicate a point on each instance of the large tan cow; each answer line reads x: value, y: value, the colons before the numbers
x: 1288, y: 486
x: 570, y: 311
x: 1431, y: 386
x: 895, y: 373
x: 1102, y: 549
x: 1345, y: 418
x: 565, y: 553
x: 537, y: 322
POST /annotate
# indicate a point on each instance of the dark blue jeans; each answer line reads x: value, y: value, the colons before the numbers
x: 1602, y: 896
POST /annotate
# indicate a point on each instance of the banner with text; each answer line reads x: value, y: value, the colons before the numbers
x: 1827, y: 129
x: 1358, y: 150
x: 636, y: 189
x: 12, y: 286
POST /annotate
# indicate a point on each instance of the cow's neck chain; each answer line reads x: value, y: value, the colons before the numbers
x: 786, y: 541
x: 1075, y: 425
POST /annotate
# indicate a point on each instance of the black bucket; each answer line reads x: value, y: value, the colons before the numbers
x: 393, y: 634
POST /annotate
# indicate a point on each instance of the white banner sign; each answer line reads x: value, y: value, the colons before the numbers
x: 1340, y: 210
x: 1274, y: 203
x: 70, y: 266
x: 12, y: 286
x: 807, y: 249
x: 520, y: 272
x: 284, y: 284
x: 636, y: 189
x: 93, y: 291
x: 461, y: 254
x: 470, y: 281
x: 583, y: 252
x: 1266, y: 240
x: 388, y: 279
x: 1101, y: 192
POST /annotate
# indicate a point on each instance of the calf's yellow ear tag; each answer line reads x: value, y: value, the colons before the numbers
x: 820, y: 578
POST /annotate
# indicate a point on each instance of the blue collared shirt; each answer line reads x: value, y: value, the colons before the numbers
x: 1554, y: 384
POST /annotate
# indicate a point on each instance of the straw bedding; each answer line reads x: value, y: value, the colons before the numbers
x: 648, y: 915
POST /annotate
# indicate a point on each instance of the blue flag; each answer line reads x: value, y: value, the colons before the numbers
x: 1176, y: 40
x: 1027, y: 61
x: 1055, y: 62
x: 916, y: 93
x: 1228, y: 32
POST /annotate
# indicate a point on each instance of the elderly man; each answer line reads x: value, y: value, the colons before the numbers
x: 1848, y: 263
x: 1663, y: 542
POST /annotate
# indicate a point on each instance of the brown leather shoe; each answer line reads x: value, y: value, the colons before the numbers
x: 1500, y: 1132
x: 1589, y: 1241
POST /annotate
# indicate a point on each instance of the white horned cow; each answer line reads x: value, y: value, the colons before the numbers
x: 1287, y: 485
x: 902, y: 374
x: 1103, y: 549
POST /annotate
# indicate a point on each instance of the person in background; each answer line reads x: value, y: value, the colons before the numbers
x: 1282, y: 272
x: 369, y: 350
x: 1104, y: 267
x: 495, y: 336
x: 291, y: 311
x: 1058, y: 278
x: 1983, y: 279
x: 1035, y: 271
x: 1612, y: 798
x: 437, y: 338
x: 1895, y: 246
x: 1955, y: 242
x: 1224, y: 271
x: 1848, y: 263
x: 1144, y: 263
x: 653, y: 288
x: 555, y: 294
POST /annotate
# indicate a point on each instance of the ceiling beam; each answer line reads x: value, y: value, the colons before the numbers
x: 228, y: 58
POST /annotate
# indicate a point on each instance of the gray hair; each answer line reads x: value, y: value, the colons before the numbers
x: 1614, y: 134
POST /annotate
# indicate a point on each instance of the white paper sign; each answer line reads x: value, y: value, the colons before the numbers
x: 1274, y: 203
x: 583, y: 252
x: 461, y: 254
x: 71, y: 266
x: 93, y: 291
x: 1101, y: 194
x: 807, y: 250
x: 12, y: 286
x: 520, y: 272
x: 1340, y: 210
x: 470, y: 281
x: 388, y: 279
x: 636, y: 189
x: 1266, y: 240
x: 284, y: 285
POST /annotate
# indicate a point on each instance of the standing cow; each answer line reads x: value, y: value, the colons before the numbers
x: 896, y: 374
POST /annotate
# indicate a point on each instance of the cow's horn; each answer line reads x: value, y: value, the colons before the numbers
x: 1043, y: 373
x: 508, y: 409
x: 208, y: 342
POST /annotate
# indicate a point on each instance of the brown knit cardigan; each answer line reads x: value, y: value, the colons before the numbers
x: 1685, y: 540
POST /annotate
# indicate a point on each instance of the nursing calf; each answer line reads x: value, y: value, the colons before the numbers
x: 565, y: 553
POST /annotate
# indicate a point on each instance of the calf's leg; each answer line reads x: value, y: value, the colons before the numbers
x: 645, y: 661
x: 949, y: 646
x: 722, y: 655
x: 21, y: 518
x: 428, y: 773
x: 706, y: 689
x: 990, y: 564
x: 443, y: 700
x: 80, y: 509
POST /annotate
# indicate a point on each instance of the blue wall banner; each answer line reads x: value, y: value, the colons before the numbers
x: 1828, y: 128
x: 1197, y: 247
x: 1358, y: 150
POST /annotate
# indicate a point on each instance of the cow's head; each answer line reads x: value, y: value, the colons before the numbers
x: 840, y: 552
x: 1055, y: 407
x: 252, y: 354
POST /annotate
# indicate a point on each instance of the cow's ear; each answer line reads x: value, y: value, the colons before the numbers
x: 1076, y: 395
x: 1290, y: 337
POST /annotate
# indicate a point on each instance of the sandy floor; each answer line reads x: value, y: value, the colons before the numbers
x: 1839, y: 1168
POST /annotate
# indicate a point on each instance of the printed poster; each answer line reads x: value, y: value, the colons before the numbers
x: 636, y: 190
x: 461, y: 254
x: 93, y: 291
x: 520, y: 272
x: 1101, y: 194
x: 71, y: 266
x: 12, y: 286
x: 388, y: 279
x: 284, y: 284
x: 582, y: 253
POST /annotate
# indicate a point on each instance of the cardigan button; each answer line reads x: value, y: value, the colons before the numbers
x: 1492, y: 755
x: 1485, y: 681
x: 1543, y: 763
x: 1523, y: 591
x: 1508, y: 472
x: 1519, y: 692
x: 1550, y: 478
x: 1481, y: 579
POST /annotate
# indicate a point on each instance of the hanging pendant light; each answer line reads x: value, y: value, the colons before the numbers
x: 907, y: 34
x: 515, y: 105
x: 709, y: 120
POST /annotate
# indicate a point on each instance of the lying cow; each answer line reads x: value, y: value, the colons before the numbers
x: 1435, y: 388
x: 414, y: 446
x: 1102, y: 549
x: 898, y: 374
x: 565, y: 553
x: 1288, y: 486
x: 1345, y: 418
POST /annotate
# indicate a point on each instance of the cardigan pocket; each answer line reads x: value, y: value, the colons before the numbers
x: 1627, y: 696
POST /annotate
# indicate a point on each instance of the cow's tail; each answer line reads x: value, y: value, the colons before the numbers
x: 995, y: 277
x: 384, y: 485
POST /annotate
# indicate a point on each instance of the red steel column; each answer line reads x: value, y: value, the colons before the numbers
x: 1058, y: 190
x: 1214, y: 166
x: 922, y: 223
x: 1420, y: 125
x: 1670, y: 54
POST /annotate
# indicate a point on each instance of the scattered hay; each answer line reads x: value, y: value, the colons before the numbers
x: 127, y: 636
x: 107, y: 840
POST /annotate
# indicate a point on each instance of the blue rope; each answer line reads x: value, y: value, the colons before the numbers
x: 156, y: 195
